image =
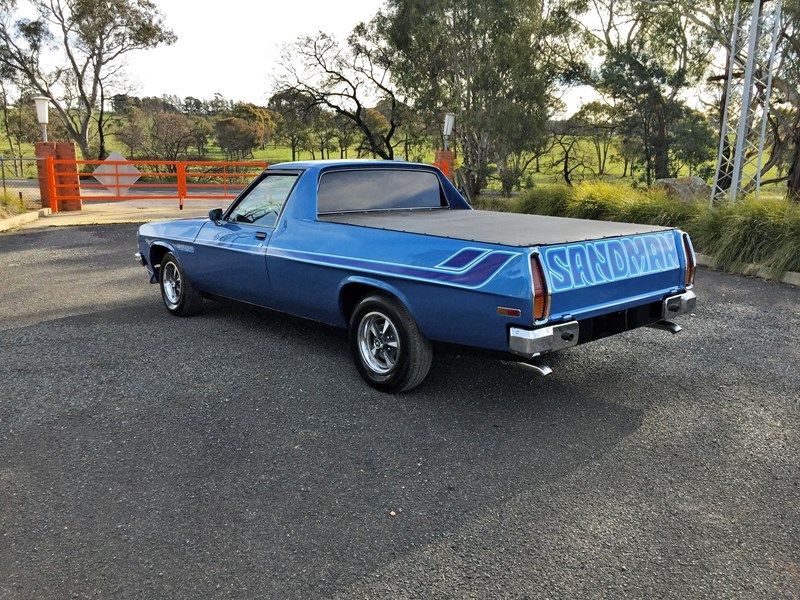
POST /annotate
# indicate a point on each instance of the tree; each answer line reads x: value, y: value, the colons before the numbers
x: 344, y: 79
x: 95, y: 38
x: 692, y: 142
x: 345, y: 132
x: 170, y: 136
x: 201, y: 131
x: 322, y: 131
x: 264, y: 117
x: 648, y: 57
x: 598, y: 122
x: 294, y: 111
x: 238, y: 138
x: 484, y: 60
x: 569, y: 156
x: 133, y: 131
x: 713, y: 19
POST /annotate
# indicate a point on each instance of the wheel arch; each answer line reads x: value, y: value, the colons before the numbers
x: 157, y: 252
x: 354, y: 289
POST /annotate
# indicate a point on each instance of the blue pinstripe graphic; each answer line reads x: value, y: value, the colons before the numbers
x: 479, y: 274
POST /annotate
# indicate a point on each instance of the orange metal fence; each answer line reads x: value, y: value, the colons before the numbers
x: 73, y: 181
x: 76, y: 180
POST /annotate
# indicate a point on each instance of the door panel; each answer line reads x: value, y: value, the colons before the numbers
x: 230, y: 254
x: 231, y: 261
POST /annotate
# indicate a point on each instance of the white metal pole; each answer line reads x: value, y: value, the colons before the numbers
x: 723, y: 129
x: 747, y: 88
x: 765, y: 115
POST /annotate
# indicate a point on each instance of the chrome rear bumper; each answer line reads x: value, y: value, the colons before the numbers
x: 678, y: 305
x: 533, y: 342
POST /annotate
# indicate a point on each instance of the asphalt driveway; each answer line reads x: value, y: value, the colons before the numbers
x: 237, y: 453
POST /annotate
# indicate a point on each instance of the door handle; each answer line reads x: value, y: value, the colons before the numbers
x: 261, y: 235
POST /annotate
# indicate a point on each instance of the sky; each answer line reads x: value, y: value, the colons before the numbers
x: 231, y: 46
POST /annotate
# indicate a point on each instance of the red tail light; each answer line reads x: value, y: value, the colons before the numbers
x: 691, y: 261
x: 541, y: 295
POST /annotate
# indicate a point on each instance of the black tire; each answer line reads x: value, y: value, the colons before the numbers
x: 389, y: 350
x: 177, y: 292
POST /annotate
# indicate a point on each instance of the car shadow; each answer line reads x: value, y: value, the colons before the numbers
x: 240, y: 451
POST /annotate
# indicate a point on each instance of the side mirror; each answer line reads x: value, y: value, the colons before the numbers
x: 215, y: 214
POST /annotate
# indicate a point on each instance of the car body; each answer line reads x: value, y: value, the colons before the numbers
x: 393, y: 252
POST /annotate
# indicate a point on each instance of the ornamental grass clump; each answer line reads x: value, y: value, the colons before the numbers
x: 786, y: 254
x: 495, y: 204
x: 657, y: 207
x: 10, y: 206
x: 601, y: 201
x: 762, y: 232
x: 550, y: 200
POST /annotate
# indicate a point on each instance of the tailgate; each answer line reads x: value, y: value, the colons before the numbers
x: 590, y: 278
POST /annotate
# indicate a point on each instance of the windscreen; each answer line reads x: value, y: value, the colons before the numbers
x: 378, y: 189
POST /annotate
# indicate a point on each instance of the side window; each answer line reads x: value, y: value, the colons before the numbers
x: 263, y: 203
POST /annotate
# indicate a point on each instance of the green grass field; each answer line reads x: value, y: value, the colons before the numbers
x: 547, y: 175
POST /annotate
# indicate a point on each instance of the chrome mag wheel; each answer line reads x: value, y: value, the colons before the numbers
x: 171, y: 278
x: 378, y: 343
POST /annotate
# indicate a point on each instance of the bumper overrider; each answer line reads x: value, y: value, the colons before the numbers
x: 531, y: 343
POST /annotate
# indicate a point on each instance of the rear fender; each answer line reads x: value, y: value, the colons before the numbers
x: 378, y: 285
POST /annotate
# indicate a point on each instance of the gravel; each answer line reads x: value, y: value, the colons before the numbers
x: 238, y: 454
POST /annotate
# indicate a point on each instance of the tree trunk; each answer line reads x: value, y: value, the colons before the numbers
x: 660, y: 143
x: 793, y: 185
x: 101, y: 153
x: 8, y: 135
x: 624, y: 167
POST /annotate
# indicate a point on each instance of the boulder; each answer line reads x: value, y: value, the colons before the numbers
x: 685, y: 189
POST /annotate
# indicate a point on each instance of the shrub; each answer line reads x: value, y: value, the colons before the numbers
x: 495, y: 204
x: 10, y: 206
x: 601, y: 200
x: 549, y: 200
x: 657, y: 207
x: 765, y: 232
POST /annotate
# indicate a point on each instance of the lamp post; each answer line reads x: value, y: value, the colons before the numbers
x: 449, y: 121
x: 42, y: 113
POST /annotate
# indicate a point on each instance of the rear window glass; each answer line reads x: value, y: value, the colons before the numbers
x: 378, y: 189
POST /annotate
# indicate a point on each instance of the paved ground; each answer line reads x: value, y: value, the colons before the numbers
x: 129, y: 211
x: 237, y: 454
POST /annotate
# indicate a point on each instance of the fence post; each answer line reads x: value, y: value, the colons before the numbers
x: 3, y: 170
x: 446, y: 158
x: 181, y: 183
x: 50, y: 168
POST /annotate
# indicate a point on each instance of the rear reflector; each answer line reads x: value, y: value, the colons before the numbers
x: 541, y: 296
x: 691, y: 261
x: 508, y: 312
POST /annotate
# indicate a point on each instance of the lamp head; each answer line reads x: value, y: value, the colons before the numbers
x: 449, y: 121
x: 42, y: 106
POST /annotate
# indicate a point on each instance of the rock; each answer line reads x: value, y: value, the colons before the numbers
x: 685, y: 189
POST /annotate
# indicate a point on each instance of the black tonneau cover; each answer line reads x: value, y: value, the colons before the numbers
x: 509, y: 229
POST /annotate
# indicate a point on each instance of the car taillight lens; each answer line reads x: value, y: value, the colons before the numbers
x: 541, y: 295
x: 691, y: 261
